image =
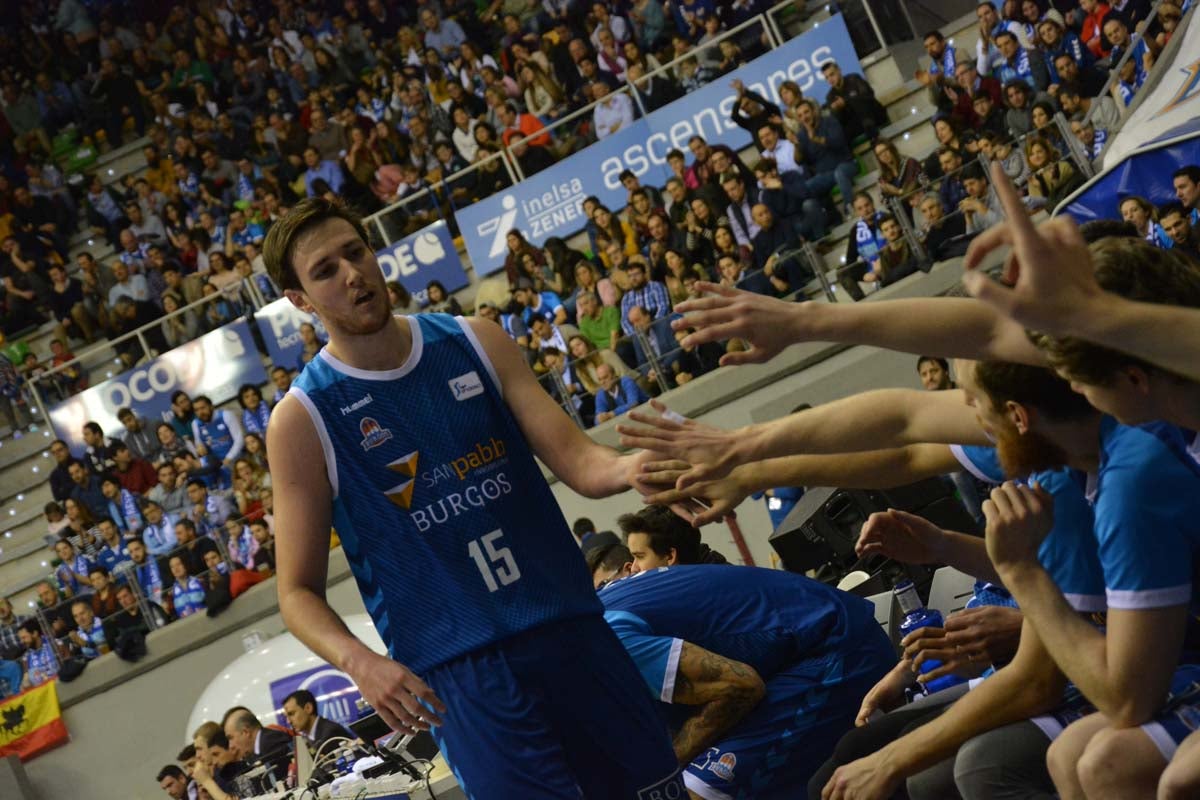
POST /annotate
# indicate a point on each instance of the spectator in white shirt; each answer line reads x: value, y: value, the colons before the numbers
x: 781, y: 151
x: 614, y: 112
x: 132, y: 286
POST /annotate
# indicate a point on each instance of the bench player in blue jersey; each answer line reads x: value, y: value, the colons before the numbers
x: 415, y: 438
x: 759, y: 671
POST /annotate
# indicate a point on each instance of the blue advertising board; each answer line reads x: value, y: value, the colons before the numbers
x: 215, y: 364
x: 549, y: 203
x: 427, y: 255
x: 280, y: 323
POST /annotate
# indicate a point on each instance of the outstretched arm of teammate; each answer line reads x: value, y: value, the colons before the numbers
x: 954, y: 327
x: 724, y: 690
x: 303, y: 503
x: 875, y: 420
x: 1052, y: 288
x: 881, y: 469
x: 591, y: 469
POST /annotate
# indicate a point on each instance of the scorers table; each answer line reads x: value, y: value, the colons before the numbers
x: 441, y: 786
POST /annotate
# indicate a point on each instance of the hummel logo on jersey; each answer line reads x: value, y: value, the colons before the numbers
x: 357, y: 404
x: 466, y: 386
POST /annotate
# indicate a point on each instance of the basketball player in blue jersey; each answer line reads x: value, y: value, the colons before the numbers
x: 711, y: 640
x: 415, y: 438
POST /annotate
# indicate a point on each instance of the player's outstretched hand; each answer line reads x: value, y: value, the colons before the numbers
x: 1049, y: 274
x: 709, y: 450
x: 721, y: 496
x: 403, y: 700
x: 726, y: 313
x: 901, y: 536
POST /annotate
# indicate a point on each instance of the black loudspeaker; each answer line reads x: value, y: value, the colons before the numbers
x: 821, y: 531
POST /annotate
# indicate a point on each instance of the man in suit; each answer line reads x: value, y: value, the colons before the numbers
x: 249, y: 741
x: 616, y: 396
x: 300, y: 708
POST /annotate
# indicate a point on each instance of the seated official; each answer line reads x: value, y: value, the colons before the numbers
x: 217, y: 767
x: 757, y: 671
x: 300, y: 708
x: 252, y: 743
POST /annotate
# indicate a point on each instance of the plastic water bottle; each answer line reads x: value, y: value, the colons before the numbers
x: 916, y: 616
x: 343, y: 763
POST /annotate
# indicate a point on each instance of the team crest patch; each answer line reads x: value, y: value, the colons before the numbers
x: 723, y: 766
x: 373, y: 434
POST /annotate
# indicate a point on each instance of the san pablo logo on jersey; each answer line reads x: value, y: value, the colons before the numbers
x: 482, y: 465
x: 402, y: 493
x: 373, y: 433
x: 466, y: 386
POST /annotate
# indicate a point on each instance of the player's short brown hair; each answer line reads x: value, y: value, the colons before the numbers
x: 281, y: 239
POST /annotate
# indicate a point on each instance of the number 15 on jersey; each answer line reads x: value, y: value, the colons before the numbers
x: 496, y: 563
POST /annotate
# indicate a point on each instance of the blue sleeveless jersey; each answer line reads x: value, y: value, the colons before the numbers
x: 763, y: 617
x: 453, y: 536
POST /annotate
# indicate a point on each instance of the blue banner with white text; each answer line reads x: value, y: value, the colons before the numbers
x: 427, y: 255
x: 549, y: 203
x: 215, y: 364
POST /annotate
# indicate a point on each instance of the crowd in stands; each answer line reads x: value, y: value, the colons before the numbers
x: 249, y: 106
x: 166, y: 520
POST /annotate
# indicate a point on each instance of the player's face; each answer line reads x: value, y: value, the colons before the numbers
x: 992, y: 421
x: 340, y: 280
x: 643, y: 557
x: 1125, y: 398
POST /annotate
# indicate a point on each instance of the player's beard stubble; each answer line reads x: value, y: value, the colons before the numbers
x: 1024, y: 453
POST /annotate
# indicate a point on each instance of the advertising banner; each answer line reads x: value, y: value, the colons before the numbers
x: 215, y: 364
x: 427, y: 255
x: 549, y: 203
x: 280, y: 323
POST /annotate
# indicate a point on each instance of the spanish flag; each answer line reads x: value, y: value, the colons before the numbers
x: 31, y: 722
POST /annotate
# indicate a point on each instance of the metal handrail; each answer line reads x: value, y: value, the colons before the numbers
x: 139, y: 334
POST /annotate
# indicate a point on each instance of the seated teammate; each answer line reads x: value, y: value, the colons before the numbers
x: 757, y: 671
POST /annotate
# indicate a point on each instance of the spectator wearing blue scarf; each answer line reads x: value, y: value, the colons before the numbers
x: 122, y: 506
x: 1017, y: 63
x: 255, y: 411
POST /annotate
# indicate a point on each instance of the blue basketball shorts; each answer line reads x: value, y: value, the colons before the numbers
x: 559, y: 711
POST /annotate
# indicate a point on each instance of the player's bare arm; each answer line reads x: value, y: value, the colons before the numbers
x: 303, y: 502
x: 724, y: 690
x: 885, y: 418
x: 590, y: 469
x: 952, y: 327
x: 881, y: 469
